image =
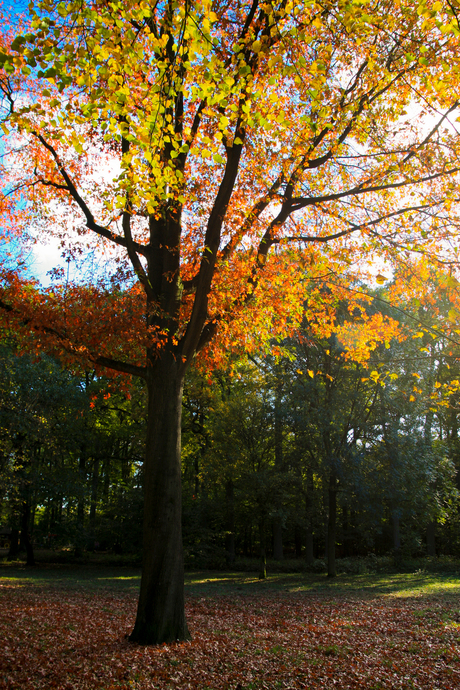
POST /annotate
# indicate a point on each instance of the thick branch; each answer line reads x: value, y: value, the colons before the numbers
x: 209, y: 256
x: 123, y: 367
x: 126, y: 224
x: 135, y: 261
x: 70, y: 187
x: 302, y: 202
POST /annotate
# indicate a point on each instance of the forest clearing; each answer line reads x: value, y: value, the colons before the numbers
x: 241, y: 338
x: 67, y: 628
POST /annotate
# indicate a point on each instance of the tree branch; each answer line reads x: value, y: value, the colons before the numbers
x: 302, y: 202
x: 70, y: 187
x: 122, y: 367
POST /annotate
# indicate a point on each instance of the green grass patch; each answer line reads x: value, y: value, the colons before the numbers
x: 205, y: 583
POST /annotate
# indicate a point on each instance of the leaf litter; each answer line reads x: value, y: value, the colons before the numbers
x: 78, y: 640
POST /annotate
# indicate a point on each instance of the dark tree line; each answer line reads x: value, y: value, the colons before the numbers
x: 312, y: 454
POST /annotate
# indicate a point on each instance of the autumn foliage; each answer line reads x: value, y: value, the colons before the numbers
x: 233, y: 167
x: 274, y: 142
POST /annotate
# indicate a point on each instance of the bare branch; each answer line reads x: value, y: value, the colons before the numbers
x: 70, y: 187
x: 354, y: 227
x: 301, y: 202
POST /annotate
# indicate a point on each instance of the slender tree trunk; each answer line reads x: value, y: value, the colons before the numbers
x: 396, y: 534
x: 309, y: 553
x: 431, y: 538
x: 94, y: 488
x: 346, y: 534
x: 81, y: 498
x: 331, y: 526
x: 14, y: 544
x: 278, y: 553
x: 263, y: 557
x: 80, y: 537
x: 160, y: 613
x: 309, y: 546
x: 203, y: 447
x: 298, y: 541
x: 26, y: 541
x: 230, y: 536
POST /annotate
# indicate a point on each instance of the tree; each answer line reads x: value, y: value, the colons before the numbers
x: 41, y: 415
x: 333, y: 399
x: 244, y: 145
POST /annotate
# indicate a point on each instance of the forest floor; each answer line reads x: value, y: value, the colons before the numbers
x: 66, y: 627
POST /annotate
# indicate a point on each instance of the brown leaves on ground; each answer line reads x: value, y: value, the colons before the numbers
x: 77, y: 640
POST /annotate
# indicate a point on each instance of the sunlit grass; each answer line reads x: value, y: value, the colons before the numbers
x: 213, y: 583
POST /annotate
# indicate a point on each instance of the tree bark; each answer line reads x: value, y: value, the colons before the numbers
x: 278, y: 553
x: 263, y: 557
x: 346, y: 532
x: 94, y: 488
x: 309, y: 552
x: 298, y: 541
x: 26, y: 541
x: 230, y: 519
x: 14, y: 544
x: 160, y: 612
x: 396, y: 536
x: 331, y: 526
x: 431, y: 538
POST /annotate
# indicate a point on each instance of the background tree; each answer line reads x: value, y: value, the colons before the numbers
x: 231, y: 134
x: 50, y: 422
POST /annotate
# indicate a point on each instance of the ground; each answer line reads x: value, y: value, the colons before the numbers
x: 66, y: 628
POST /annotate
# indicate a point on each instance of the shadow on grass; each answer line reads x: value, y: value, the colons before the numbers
x: 402, y: 584
x: 211, y: 584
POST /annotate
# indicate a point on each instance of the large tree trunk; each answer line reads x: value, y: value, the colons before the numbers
x: 160, y: 612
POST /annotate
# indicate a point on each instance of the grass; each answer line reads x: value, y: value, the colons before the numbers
x: 66, y: 627
x: 210, y: 583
